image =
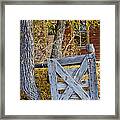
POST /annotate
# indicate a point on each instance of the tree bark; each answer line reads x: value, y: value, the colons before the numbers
x: 27, y: 60
x: 57, y: 44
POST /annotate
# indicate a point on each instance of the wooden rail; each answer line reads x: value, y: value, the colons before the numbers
x: 66, y: 61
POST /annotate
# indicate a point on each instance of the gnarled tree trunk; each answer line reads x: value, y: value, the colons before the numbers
x: 26, y: 60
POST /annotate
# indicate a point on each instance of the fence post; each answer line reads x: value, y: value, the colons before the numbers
x: 92, y: 73
x: 52, y: 79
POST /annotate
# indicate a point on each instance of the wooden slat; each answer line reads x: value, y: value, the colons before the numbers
x: 52, y: 79
x: 61, y: 86
x: 68, y: 92
x: 71, y: 60
x: 72, y: 72
x: 66, y: 61
x: 92, y: 78
x: 59, y: 95
x: 70, y: 81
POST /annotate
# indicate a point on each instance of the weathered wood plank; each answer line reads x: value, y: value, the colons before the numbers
x: 90, y: 48
x: 71, y: 82
x: 66, y: 61
x: 62, y: 86
x: 52, y: 79
x: 72, y: 72
x: 92, y: 78
x: 71, y: 60
x: 68, y: 92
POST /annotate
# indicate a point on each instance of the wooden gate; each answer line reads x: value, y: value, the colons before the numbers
x: 73, y: 85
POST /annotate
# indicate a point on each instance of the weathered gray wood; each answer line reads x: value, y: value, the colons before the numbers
x: 66, y: 61
x: 71, y: 60
x: 72, y: 77
x: 72, y: 72
x: 71, y: 82
x: 92, y: 78
x: 62, y: 86
x: 68, y: 92
x: 90, y: 48
x: 53, y: 79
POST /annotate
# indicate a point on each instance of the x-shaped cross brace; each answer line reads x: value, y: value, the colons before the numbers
x: 73, y: 85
